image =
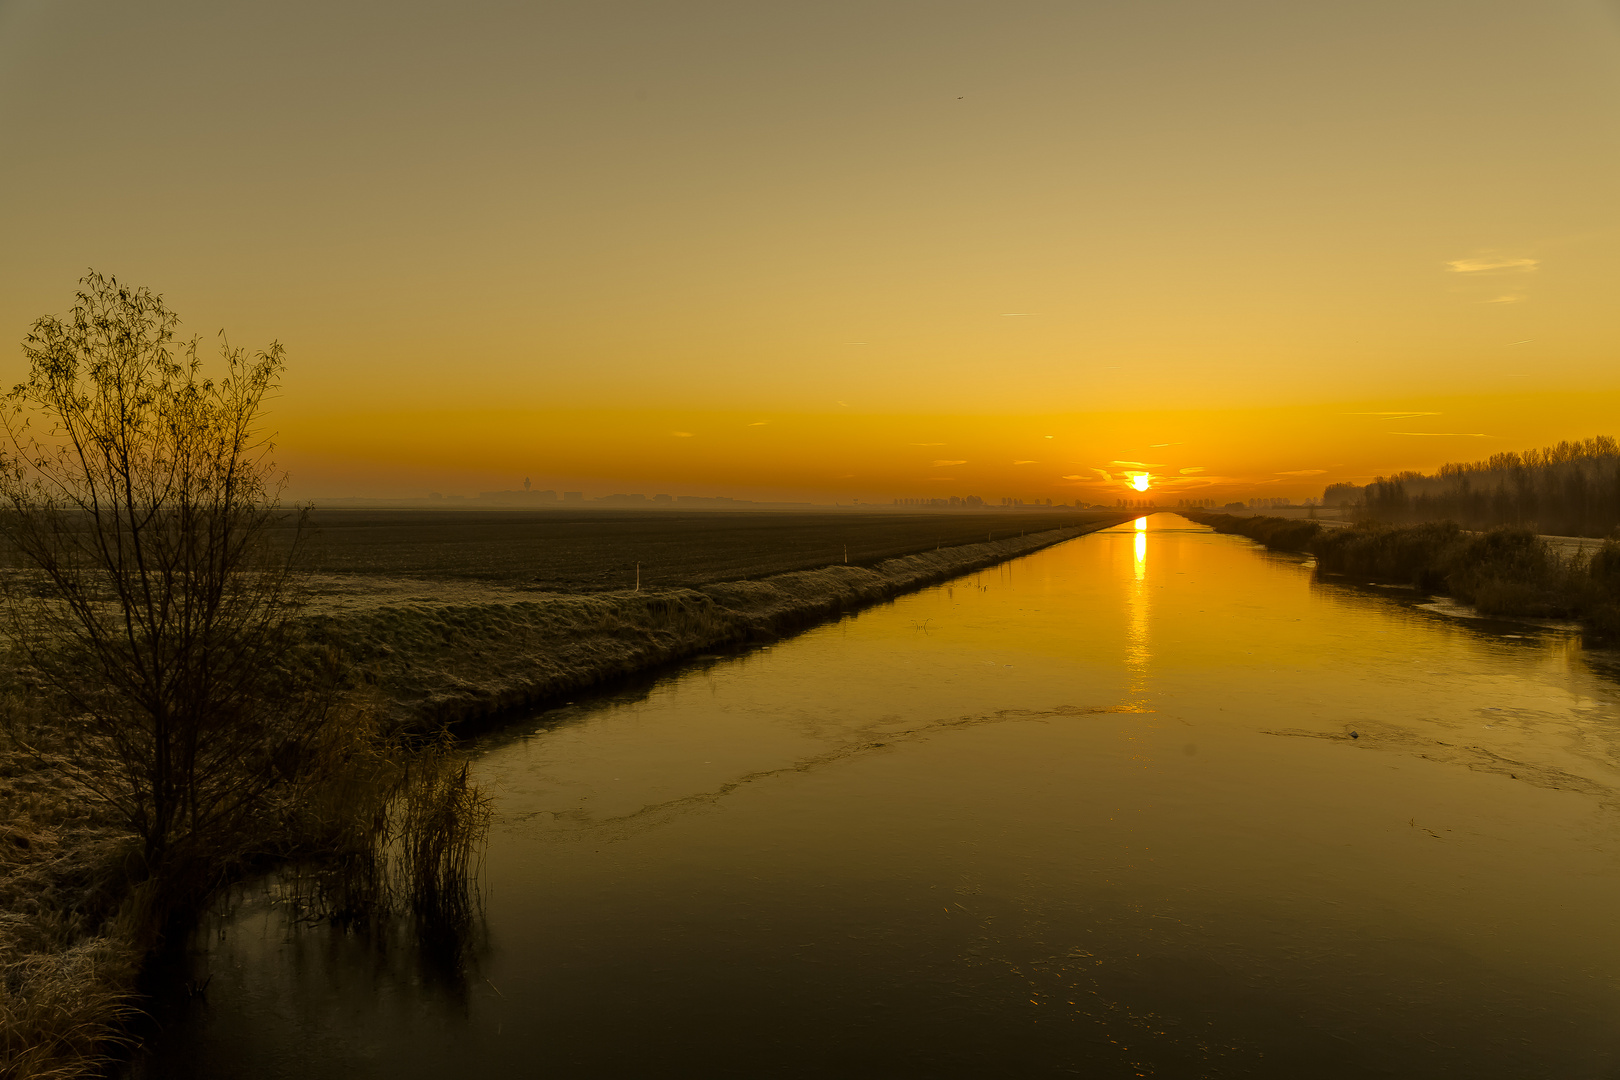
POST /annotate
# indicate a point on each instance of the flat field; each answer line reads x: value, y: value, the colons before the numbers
x: 597, y: 550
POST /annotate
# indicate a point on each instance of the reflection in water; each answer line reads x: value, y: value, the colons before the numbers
x: 1137, y: 653
x: 1010, y: 847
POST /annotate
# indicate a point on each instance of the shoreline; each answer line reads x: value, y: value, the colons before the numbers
x: 433, y: 666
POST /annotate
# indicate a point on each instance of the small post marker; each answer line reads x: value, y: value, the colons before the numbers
x: 638, y: 577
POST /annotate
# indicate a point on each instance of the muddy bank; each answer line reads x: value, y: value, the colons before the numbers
x: 432, y: 664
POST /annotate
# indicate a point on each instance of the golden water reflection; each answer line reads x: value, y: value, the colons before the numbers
x: 1138, y: 656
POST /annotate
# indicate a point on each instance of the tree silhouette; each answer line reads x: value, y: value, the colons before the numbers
x: 150, y: 602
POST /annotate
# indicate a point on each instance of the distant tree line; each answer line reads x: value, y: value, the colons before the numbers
x: 1571, y: 489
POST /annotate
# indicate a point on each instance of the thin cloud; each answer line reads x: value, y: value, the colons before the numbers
x: 1139, y: 464
x: 1083, y: 477
x: 1016, y: 314
x: 1026, y: 463
x: 925, y: 444
x: 1192, y: 469
x: 945, y: 464
x: 1100, y: 472
x: 1303, y: 472
x: 1392, y: 415
x: 1162, y: 445
x: 681, y: 434
x: 759, y: 423
x: 1485, y: 264
x: 1510, y: 299
x: 1456, y: 434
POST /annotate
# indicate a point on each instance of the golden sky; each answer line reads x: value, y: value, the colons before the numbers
x: 847, y: 250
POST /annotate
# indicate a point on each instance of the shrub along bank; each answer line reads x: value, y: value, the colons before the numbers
x: 1505, y: 571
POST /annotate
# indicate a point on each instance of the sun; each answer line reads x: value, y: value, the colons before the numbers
x: 1140, y: 481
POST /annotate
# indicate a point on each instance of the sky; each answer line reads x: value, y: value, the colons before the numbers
x: 833, y: 251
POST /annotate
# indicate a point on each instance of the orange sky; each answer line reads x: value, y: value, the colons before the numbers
x: 866, y: 250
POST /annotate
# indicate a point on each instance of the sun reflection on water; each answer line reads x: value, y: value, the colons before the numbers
x: 1137, y: 653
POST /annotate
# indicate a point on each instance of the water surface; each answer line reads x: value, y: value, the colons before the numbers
x: 1151, y: 802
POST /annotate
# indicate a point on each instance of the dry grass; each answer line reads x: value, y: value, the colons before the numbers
x: 68, y: 954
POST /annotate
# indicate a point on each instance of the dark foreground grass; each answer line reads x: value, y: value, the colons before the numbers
x: 1504, y: 571
x: 384, y: 826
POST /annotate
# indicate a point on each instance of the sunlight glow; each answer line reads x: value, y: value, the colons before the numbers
x: 1140, y: 481
x: 1141, y: 524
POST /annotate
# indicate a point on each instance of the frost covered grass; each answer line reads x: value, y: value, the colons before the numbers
x: 431, y: 665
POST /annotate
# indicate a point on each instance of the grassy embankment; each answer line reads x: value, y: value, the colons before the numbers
x: 1503, y: 572
x: 432, y: 664
x: 78, y: 914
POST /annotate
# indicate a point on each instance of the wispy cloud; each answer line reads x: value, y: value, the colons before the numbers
x: 1139, y: 464
x: 1192, y: 469
x: 1303, y: 472
x: 1513, y: 298
x: 1457, y: 434
x: 1392, y: 415
x: 925, y: 444
x: 1161, y: 445
x: 1026, y: 463
x: 1104, y: 473
x: 1485, y: 264
x: 681, y: 434
x: 759, y: 423
x: 943, y: 464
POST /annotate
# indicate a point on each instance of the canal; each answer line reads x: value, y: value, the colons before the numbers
x: 1153, y: 802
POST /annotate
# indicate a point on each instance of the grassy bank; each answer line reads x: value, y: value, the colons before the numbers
x: 1504, y: 572
x: 430, y: 665
x: 80, y: 916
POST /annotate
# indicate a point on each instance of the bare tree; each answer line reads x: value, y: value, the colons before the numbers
x: 149, y: 592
